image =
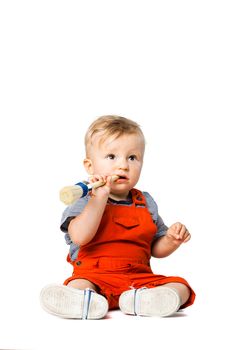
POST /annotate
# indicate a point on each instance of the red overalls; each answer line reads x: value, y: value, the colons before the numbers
x: 117, y: 258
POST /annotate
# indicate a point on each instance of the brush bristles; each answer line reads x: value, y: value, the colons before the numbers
x: 70, y: 194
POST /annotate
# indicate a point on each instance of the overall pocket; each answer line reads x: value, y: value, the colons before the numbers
x: 126, y: 222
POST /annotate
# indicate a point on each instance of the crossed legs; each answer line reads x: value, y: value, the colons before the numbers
x: 181, y: 289
x: 80, y: 299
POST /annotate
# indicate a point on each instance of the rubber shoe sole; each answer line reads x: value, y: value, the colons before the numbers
x: 158, y: 301
x: 67, y: 302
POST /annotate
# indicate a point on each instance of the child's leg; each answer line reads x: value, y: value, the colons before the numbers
x: 77, y: 300
x: 81, y: 283
x: 182, y: 290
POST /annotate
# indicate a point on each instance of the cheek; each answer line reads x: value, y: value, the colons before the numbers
x: 137, y: 172
x: 138, y: 169
x: 100, y: 167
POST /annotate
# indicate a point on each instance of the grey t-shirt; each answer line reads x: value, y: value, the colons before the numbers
x: 75, y: 209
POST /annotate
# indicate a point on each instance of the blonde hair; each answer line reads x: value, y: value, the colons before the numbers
x: 110, y: 125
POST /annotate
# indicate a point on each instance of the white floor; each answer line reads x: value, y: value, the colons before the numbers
x: 197, y: 327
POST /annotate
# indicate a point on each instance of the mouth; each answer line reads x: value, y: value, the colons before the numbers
x: 122, y: 178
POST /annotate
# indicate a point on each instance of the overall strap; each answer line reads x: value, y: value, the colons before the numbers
x: 138, y: 198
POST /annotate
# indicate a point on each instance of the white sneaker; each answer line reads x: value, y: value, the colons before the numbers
x: 158, y: 301
x: 70, y: 302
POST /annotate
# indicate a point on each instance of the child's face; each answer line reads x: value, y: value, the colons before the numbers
x: 121, y: 156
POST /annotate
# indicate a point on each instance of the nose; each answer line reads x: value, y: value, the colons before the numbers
x: 122, y: 164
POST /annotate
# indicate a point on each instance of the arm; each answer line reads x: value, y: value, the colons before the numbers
x: 166, y: 245
x: 83, y: 227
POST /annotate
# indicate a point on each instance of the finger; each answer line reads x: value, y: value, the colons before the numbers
x: 187, y: 238
x: 183, y: 231
x: 108, y: 180
x: 172, y: 233
x: 178, y: 227
x: 103, y: 179
x: 91, y: 178
x: 95, y: 178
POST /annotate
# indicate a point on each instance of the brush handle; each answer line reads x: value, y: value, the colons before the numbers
x: 101, y: 183
x: 70, y: 194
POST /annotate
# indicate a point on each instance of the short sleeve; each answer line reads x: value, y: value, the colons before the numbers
x: 71, y: 212
x: 153, y: 209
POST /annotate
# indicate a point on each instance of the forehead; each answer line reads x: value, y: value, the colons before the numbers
x: 125, y: 141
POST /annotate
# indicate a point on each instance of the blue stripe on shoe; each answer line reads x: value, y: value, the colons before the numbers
x: 137, y: 293
x: 135, y: 301
x: 86, y: 304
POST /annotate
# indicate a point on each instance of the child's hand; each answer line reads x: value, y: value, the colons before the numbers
x: 178, y: 233
x: 104, y: 190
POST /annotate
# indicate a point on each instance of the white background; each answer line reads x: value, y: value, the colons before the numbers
x: 165, y: 64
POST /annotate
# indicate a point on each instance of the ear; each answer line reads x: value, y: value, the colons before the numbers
x: 88, y: 166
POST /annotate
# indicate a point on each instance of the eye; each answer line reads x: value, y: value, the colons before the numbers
x: 132, y: 157
x: 110, y: 156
